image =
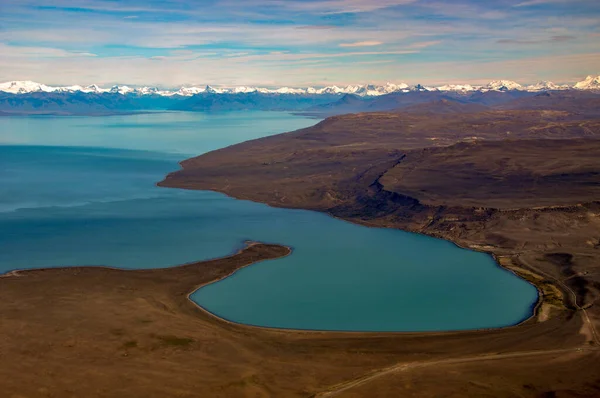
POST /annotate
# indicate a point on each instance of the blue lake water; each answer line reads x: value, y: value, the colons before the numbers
x: 80, y: 191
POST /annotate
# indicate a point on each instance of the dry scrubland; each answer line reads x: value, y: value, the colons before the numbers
x: 520, y: 184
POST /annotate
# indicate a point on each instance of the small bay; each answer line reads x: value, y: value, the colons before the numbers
x: 81, y: 191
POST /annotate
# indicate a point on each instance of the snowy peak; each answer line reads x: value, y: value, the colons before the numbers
x: 288, y: 90
x: 544, y: 86
x: 325, y: 90
x: 92, y: 88
x: 590, y: 83
x: 211, y: 90
x: 147, y: 90
x: 244, y: 90
x: 188, y: 91
x: 23, y: 87
x: 420, y: 87
x: 502, y: 85
x: 363, y: 90
x: 457, y: 87
x: 121, y: 90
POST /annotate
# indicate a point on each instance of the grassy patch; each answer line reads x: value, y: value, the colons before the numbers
x: 550, y: 292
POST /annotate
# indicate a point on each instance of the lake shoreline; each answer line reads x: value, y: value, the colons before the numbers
x: 136, y: 321
x: 285, y: 251
x: 534, y: 308
x: 137, y: 332
x: 16, y: 273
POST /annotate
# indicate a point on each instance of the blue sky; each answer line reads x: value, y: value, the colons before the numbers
x: 170, y: 43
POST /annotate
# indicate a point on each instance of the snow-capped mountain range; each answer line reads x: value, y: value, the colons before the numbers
x: 590, y: 83
x: 365, y: 90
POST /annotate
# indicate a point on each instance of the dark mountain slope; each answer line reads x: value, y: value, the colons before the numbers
x: 79, y: 103
x: 252, y: 101
x: 445, y: 106
x: 501, y: 174
x: 585, y: 103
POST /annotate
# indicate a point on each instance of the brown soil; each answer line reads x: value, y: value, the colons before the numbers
x: 514, y: 175
x: 99, y: 332
x: 522, y: 185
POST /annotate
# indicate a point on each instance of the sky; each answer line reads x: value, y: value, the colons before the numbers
x: 172, y: 43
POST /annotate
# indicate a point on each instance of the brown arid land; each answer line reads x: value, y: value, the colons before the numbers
x: 521, y: 185
x: 102, y: 332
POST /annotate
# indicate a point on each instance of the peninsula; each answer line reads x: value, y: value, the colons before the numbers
x: 519, y: 184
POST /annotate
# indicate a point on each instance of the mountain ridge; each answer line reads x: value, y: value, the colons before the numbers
x: 362, y: 90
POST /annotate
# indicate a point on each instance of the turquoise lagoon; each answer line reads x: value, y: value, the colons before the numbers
x: 81, y: 191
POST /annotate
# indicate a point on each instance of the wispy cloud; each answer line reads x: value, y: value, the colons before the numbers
x: 329, y: 6
x: 552, y: 39
x: 530, y: 3
x: 40, y: 52
x: 290, y: 42
x: 425, y: 44
x: 367, y: 43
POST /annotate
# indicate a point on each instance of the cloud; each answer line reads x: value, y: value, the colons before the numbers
x: 286, y: 56
x: 316, y: 27
x: 275, y: 71
x: 463, y: 10
x: 552, y: 39
x: 236, y: 55
x: 570, y: 3
x: 367, y: 43
x: 425, y: 44
x: 40, y: 52
x: 125, y: 6
x: 562, y: 38
x: 325, y: 7
x: 320, y: 7
x: 181, y: 35
x: 559, y: 69
x: 542, y: 2
x: 291, y: 41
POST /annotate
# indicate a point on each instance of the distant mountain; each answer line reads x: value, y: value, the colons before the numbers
x: 212, y: 101
x: 23, y: 87
x: 31, y: 97
x: 125, y: 90
x: 547, y: 86
x: 502, y: 85
x: 445, y: 106
x: 81, y: 103
x: 585, y: 103
x: 494, y: 97
x: 457, y: 87
x: 589, y: 83
x: 401, y: 100
x: 364, y: 90
x: 395, y: 101
x: 347, y: 104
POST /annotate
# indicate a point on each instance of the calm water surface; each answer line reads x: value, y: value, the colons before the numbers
x: 80, y: 191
